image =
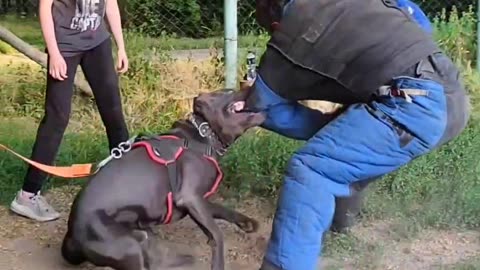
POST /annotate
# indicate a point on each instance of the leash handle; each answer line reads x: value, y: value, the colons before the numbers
x: 73, y: 171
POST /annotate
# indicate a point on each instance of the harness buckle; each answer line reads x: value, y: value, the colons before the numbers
x: 406, y: 93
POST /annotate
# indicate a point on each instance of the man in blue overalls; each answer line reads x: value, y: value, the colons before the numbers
x: 403, y: 99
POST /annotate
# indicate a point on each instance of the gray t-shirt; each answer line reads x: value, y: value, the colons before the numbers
x: 79, y: 25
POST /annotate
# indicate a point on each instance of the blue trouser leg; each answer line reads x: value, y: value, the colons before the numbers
x: 360, y: 144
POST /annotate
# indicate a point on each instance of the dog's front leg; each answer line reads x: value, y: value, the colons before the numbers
x: 200, y: 213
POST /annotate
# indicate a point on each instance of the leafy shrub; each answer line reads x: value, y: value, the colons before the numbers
x: 190, y: 18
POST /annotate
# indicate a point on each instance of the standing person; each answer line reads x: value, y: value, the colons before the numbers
x: 75, y: 34
x: 404, y: 98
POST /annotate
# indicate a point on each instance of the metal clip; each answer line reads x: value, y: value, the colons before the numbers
x: 203, y: 129
x: 406, y: 96
x: 116, y: 153
x: 125, y: 146
x: 103, y: 163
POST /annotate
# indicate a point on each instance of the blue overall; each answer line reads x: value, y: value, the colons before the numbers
x: 356, y: 146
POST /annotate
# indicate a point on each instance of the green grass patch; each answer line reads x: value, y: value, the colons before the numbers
x: 468, y: 264
x: 6, y: 49
x: 28, y: 29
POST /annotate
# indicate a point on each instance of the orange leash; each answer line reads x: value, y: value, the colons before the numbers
x: 73, y: 171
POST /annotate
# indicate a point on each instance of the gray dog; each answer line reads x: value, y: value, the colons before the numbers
x: 161, y: 179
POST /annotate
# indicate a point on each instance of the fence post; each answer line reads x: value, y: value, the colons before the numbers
x: 230, y: 42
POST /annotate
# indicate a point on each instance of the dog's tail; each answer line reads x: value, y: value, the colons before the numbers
x: 71, y: 252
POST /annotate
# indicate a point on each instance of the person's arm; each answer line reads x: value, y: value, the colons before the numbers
x: 115, y: 22
x: 57, y: 65
x: 46, y: 24
x: 113, y: 17
x: 287, y: 118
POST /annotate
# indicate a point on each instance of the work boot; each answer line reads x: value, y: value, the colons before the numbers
x: 347, y: 210
x: 35, y: 207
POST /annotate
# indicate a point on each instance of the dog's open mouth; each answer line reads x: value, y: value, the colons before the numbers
x: 238, y: 107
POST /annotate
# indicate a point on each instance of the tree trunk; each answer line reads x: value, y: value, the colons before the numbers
x: 40, y: 57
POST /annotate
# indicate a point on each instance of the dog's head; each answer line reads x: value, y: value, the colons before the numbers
x: 226, y: 114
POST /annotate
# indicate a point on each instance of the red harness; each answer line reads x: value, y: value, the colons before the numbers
x: 155, y: 157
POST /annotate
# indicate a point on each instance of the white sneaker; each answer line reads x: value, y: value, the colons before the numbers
x: 35, y: 207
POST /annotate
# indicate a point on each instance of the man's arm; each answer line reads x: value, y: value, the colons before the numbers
x: 288, y: 118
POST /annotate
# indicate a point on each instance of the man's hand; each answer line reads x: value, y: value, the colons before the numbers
x: 57, y: 67
x: 122, y: 62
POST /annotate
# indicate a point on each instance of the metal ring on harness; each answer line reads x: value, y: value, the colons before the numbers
x: 125, y: 146
x: 202, y: 129
x: 116, y: 153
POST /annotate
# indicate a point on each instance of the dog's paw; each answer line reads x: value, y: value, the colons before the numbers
x: 248, y: 225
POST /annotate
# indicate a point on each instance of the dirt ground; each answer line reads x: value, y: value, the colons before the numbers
x: 26, y: 245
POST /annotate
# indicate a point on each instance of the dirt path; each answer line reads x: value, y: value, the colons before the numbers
x: 25, y: 245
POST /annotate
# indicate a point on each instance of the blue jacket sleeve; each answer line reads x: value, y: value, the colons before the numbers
x: 417, y: 14
x: 288, y: 118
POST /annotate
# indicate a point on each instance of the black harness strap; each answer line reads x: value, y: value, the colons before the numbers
x: 167, y: 151
x: 173, y: 176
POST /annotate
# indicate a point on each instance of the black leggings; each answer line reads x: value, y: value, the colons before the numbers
x: 98, y: 67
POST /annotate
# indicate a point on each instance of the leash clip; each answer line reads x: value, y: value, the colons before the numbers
x: 116, y: 153
x: 122, y: 148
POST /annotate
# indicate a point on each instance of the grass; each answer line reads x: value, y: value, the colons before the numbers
x: 28, y: 29
x: 440, y: 190
x: 5, y: 48
x: 468, y: 264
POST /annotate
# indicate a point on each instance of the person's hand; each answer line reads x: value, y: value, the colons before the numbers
x: 57, y: 67
x: 122, y: 62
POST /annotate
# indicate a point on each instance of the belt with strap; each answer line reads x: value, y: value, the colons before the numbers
x: 387, y: 90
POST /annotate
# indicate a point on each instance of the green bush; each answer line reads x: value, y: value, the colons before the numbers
x: 189, y: 18
x: 456, y: 34
x: 204, y: 18
x: 158, y: 18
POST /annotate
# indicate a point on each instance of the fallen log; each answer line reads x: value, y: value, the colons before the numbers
x: 40, y: 58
